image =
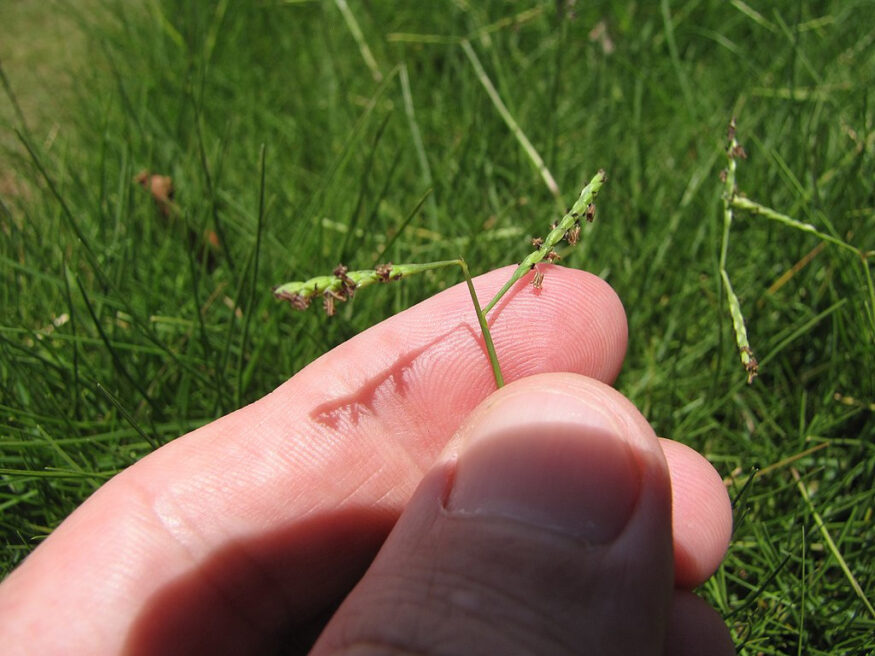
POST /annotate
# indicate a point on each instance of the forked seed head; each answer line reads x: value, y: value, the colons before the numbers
x: 553, y: 256
x: 537, y: 242
x: 538, y: 279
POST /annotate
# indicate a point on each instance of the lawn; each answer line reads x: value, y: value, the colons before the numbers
x: 302, y: 134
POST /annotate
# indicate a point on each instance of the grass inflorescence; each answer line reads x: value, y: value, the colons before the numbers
x: 342, y: 284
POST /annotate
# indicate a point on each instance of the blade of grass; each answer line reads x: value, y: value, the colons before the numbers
x: 309, y: 210
x: 116, y: 359
x: 349, y: 241
x: 674, y: 54
x: 401, y: 228
x: 509, y: 120
x: 13, y: 100
x: 218, y: 224
x: 803, y: 329
x: 834, y: 550
x: 128, y: 417
x: 359, y: 37
x: 253, y: 284
x: 54, y: 473
x: 754, y: 15
x: 418, y: 145
x: 71, y: 309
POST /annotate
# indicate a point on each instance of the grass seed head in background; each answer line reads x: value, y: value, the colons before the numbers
x: 734, y: 151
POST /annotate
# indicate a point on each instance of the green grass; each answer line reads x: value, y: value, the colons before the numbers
x: 116, y: 335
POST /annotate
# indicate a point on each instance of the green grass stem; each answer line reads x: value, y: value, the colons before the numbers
x: 484, y: 327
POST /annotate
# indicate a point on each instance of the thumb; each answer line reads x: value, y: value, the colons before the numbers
x: 545, y: 528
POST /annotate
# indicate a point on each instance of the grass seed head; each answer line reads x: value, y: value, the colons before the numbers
x: 347, y: 284
x: 384, y: 271
x: 297, y: 301
x: 590, y: 213
x: 750, y: 363
x: 328, y: 304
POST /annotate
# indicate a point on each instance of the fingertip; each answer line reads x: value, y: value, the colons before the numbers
x: 701, y: 514
x: 578, y: 311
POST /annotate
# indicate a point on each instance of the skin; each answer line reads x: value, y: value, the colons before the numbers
x: 386, y: 499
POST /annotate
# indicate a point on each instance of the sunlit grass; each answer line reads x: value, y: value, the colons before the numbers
x: 125, y: 322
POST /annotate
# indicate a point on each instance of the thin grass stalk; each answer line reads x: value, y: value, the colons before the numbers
x: 359, y: 37
x: 510, y: 121
x: 484, y: 327
x: 417, y: 143
x: 250, y: 304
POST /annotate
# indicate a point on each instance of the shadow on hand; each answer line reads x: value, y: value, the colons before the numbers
x: 268, y: 593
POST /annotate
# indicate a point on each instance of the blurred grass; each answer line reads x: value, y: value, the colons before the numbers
x: 118, y: 333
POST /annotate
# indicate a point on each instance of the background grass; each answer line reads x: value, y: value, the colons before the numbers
x: 118, y: 333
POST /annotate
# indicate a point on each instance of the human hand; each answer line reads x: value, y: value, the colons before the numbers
x: 544, y: 526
